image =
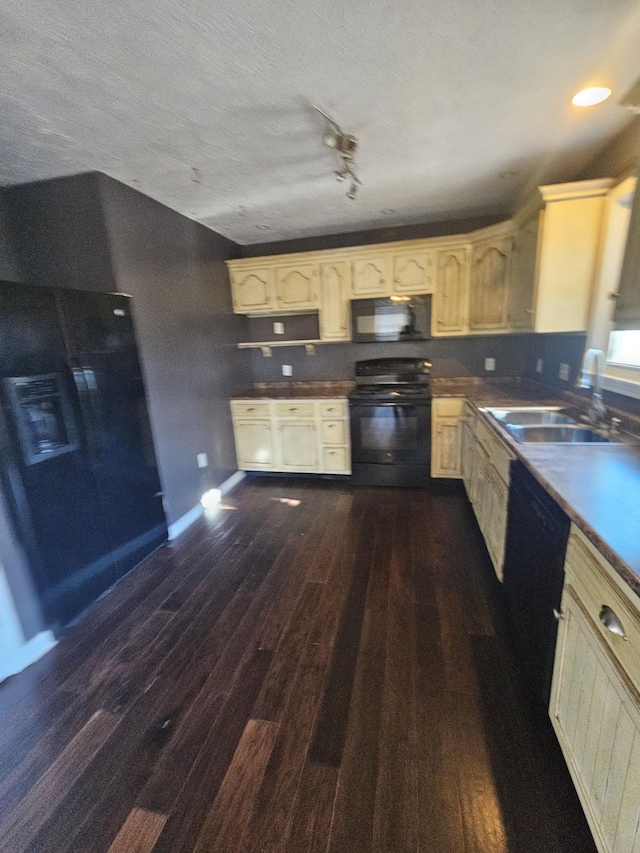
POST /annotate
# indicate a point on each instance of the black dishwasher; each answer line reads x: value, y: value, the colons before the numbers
x: 537, y: 534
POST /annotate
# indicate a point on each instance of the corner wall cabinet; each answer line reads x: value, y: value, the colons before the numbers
x: 595, y: 703
x: 534, y: 272
x: 297, y: 435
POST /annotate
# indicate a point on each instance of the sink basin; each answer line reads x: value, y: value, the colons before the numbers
x: 531, y: 416
x: 557, y: 434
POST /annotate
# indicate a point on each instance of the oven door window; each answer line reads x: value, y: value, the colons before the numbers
x: 388, y: 434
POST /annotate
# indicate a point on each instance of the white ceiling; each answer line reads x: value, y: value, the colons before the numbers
x: 459, y: 107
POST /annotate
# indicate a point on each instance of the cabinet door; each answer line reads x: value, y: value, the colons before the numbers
x: 489, y: 294
x: 496, y: 519
x: 334, y: 303
x: 595, y: 713
x: 253, y: 291
x: 371, y: 276
x: 523, y: 273
x: 413, y: 272
x: 452, y: 288
x: 297, y: 445
x: 446, y: 448
x: 297, y: 287
x: 468, y: 456
x: 253, y: 445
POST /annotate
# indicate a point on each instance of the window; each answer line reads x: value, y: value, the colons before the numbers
x: 622, y: 370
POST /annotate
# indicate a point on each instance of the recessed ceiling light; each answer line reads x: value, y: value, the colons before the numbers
x: 387, y: 211
x: 592, y: 95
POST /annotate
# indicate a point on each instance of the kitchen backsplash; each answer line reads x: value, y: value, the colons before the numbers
x: 514, y: 355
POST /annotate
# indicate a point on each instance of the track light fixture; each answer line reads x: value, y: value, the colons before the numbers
x: 345, y: 144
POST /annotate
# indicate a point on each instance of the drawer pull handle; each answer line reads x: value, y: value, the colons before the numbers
x: 611, y: 622
x: 251, y: 409
x: 558, y: 615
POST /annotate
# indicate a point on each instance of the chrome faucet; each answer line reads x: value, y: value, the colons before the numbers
x: 591, y: 377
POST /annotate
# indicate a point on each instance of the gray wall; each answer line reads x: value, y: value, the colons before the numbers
x: 93, y: 233
x: 619, y: 156
x: 8, y: 260
x: 174, y: 269
x: 59, y: 233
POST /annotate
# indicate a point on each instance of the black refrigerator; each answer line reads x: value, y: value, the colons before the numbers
x: 77, y: 463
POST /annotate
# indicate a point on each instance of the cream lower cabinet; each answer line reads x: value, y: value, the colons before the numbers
x: 446, y: 414
x: 595, y: 704
x: 293, y: 436
x: 254, y: 444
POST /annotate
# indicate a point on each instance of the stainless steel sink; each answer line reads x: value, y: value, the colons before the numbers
x: 531, y: 416
x: 557, y: 434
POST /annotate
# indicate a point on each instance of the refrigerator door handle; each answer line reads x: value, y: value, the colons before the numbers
x: 85, y: 381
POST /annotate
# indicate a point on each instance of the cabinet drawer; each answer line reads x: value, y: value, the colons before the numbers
x: 448, y: 406
x: 499, y: 453
x: 588, y: 574
x: 334, y: 432
x: 248, y: 409
x: 333, y: 409
x: 336, y: 459
x: 294, y: 409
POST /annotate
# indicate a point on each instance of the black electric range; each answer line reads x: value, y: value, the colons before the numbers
x: 390, y: 416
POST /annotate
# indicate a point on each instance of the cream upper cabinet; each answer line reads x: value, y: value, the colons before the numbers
x: 253, y: 290
x: 523, y: 271
x: 569, y: 237
x: 489, y: 289
x: 371, y: 276
x: 413, y: 272
x: 452, y: 289
x: 297, y: 287
x: 334, y: 303
x: 254, y: 444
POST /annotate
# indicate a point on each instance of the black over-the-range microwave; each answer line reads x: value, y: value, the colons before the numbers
x: 396, y: 318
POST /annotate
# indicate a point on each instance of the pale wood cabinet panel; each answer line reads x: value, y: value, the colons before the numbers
x: 446, y: 444
x: 489, y: 291
x: 414, y: 272
x: 523, y: 273
x: 336, y: 460
x: 297, y: 287
x: 334, y: 303
x: 468, y: 457
x: 595, y: 712
x: 297, y: 443
x: 253, y: 291
x: 334, y: 432
x: 371, y: 276
x: 452, y: 287
x: 295, y: 409
x: 254, y: 445
x: 334, y: 409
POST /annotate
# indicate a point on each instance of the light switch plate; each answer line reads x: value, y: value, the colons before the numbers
x: 203, y: 460
x: 278, y: 328
x: 563, y: 372
x: 489, y: 364
x: 539, y: 364
x: 287, y: 370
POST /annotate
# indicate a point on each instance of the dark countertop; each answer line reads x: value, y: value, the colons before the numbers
x: 598, y: 486
x: 295, y: 390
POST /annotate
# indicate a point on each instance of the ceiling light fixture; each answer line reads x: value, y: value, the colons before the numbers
x: 345, y: 144
x: 591, y: 96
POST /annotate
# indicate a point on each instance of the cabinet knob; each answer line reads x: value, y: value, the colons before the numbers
x: 530, y: 311
x: 558, y: 615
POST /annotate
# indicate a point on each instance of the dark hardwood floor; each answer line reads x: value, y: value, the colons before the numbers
x: 326, y: 677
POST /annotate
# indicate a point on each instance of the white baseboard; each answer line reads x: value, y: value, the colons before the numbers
x: 178, y: 527
x: 231, y: 482
x: 14, y: 660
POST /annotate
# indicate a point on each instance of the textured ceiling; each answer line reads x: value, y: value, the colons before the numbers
x: 459, y: 107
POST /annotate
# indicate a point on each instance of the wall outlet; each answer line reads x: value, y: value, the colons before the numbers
x: 563, y: 372
x: 489, y: 364
x: 203, y: 461
x: 287, y: 370
x: 539, y: 365
x: 278, y: 328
